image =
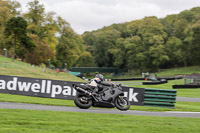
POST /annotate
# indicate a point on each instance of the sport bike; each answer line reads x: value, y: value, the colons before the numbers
x: 108, y: 97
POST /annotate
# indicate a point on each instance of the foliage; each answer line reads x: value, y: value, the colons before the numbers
x: 149, y: 43
x: 40, y: 54
x: 85, y: 60
x: 8, y: 9
x: 36, y: 12
x: 16, y: 33
x: 64, y: 50
x: 192, y: 39
x: 40, y: 32
x: 68, y: 49
x: 104, y: 44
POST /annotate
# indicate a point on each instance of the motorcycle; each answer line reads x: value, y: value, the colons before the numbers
x: 108, y: 97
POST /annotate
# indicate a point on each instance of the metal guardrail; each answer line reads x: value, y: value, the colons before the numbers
x: 160, y: 98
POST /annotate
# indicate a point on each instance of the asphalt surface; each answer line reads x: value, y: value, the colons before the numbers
x: 187, y: 99
x: 8, y: 105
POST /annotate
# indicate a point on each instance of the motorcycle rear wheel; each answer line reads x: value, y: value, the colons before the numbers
x: 83, y: 101
x: 122, y: 103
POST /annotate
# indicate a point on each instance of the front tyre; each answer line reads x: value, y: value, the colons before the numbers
x: 83, y: 101
x: 122, y: 103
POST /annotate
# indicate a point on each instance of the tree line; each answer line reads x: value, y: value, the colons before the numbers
x: 148, y: 44
x: 39, y: 37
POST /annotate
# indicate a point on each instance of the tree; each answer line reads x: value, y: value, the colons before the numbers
x: 89, y: 39
x: 16, y: 33
x: 40, y: 54
x: 133, y: 27
x: 85, y: 60
x: 36, y: 13
x: 151, y: 31
x: 192, y: 43
x: 8, y: 9
x: 68, y: 49
x: 174, y: 51
x: 159, y: 55
x: 104, y: 47
x: 44, y: 26
x: 136, y: 56
x: 149, y: 43
x: 36, y: 19
x: 169, y: 24
x: 120, y: 54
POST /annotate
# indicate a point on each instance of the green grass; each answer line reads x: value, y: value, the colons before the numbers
x: 194, y: 93
x: 29, y: 121
x: 179, y: 71
x: 162, y: 86
x: 22, y: 69
x: 161, y: 73
x: 35, y: 100
x: 179, y: 106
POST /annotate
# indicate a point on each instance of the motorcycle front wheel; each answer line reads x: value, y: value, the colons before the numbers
x: 122, y: 103
x: 83, y: 101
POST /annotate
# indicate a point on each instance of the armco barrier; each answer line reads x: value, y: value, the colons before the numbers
x: 159, y: 78
x: 160, y: 98
x: 128, y: 79
x: 186, y: 86
x: 154, y: 82
x: 170, y: 78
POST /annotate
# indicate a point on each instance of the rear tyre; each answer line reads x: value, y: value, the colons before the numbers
x: 83, y: 101
x: 122, y: 103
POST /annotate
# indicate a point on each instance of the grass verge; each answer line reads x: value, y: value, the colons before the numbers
x: 180, y: 106
x: 30, y: 121
x: 194, y: 93
x: 22, y: 69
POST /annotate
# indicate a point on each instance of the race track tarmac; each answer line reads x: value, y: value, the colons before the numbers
x: 187, y: 99
x: 8, y: 105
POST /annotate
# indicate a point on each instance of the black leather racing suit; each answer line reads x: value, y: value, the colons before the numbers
x: 97, y: 85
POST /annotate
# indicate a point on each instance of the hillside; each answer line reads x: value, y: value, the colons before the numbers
x: 18, y: 68
x: 179, y: 71
x: 148, y: 44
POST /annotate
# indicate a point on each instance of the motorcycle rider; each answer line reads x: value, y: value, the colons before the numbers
x: 97, y: 83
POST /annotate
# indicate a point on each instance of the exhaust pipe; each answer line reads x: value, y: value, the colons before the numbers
x: 86, y: 92
x: 80, y: 89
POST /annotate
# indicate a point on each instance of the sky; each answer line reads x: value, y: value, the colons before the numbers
x: 89, y: 15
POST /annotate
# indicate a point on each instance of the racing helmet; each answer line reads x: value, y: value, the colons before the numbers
x: 100, y: 76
